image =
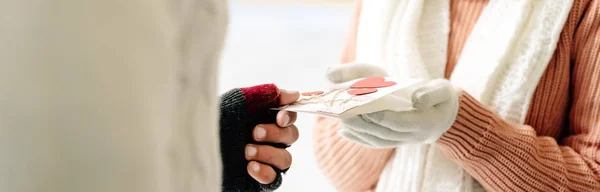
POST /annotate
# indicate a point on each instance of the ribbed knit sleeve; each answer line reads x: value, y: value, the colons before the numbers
x: 349, y: 50
x: 349, y: 166
x: 508, y: 157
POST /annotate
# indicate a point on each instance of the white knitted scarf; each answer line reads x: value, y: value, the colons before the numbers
x: 501, y: 64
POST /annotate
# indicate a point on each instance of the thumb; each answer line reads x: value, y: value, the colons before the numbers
x: 351, y: 71
x: 435, y: 92
x: 287, y: 96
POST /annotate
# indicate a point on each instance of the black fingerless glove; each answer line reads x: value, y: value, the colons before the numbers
x: 241, y: 110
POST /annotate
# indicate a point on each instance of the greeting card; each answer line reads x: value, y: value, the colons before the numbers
x: 360, y: 96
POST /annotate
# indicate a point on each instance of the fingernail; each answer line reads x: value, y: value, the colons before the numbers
x: 286, y: 119
x: 255, y: 167
x: 250, y: 151
x: 260, y: 133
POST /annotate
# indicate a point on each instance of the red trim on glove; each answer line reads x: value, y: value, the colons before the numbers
x: 261, y: 97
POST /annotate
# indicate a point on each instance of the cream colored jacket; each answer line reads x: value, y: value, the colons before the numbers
x: 110, y: 95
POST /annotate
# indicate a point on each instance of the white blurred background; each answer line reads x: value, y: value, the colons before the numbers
x: 290, y: 43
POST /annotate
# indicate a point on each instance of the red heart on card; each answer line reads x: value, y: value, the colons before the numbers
x: 362, y: 91
x: 373, y: 82
x: 312, y: 93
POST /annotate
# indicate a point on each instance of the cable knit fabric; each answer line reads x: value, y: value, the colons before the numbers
x: 556, y: 148
x: 500, y: 66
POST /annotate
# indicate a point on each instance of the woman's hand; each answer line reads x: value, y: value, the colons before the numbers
x: 262, y: 157
x: 435, y: 105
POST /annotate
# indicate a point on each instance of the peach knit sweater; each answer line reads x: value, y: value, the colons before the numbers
x: 556, y: 150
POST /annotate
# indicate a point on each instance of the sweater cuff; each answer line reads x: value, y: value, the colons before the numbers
x: 471, y: 125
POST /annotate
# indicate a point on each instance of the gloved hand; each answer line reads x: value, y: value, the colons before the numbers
x: 435, y: 106
x: 254, y: 138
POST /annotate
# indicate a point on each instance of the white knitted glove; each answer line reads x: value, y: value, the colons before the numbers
x: 435, y: 105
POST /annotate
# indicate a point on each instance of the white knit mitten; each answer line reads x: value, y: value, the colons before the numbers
x: 435, y: 105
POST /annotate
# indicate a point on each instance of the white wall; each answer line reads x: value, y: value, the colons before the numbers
x: 290, y: 45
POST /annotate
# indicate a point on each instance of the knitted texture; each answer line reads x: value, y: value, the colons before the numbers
x: 556, y: 149
x: 241, y: 110
x: 260, y: 98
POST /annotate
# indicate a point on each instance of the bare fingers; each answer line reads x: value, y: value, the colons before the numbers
x: 286, y: 118
x: 260, y: 172
x: 287, y: 97
x: 274, y: 134
x: 277, y: 157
